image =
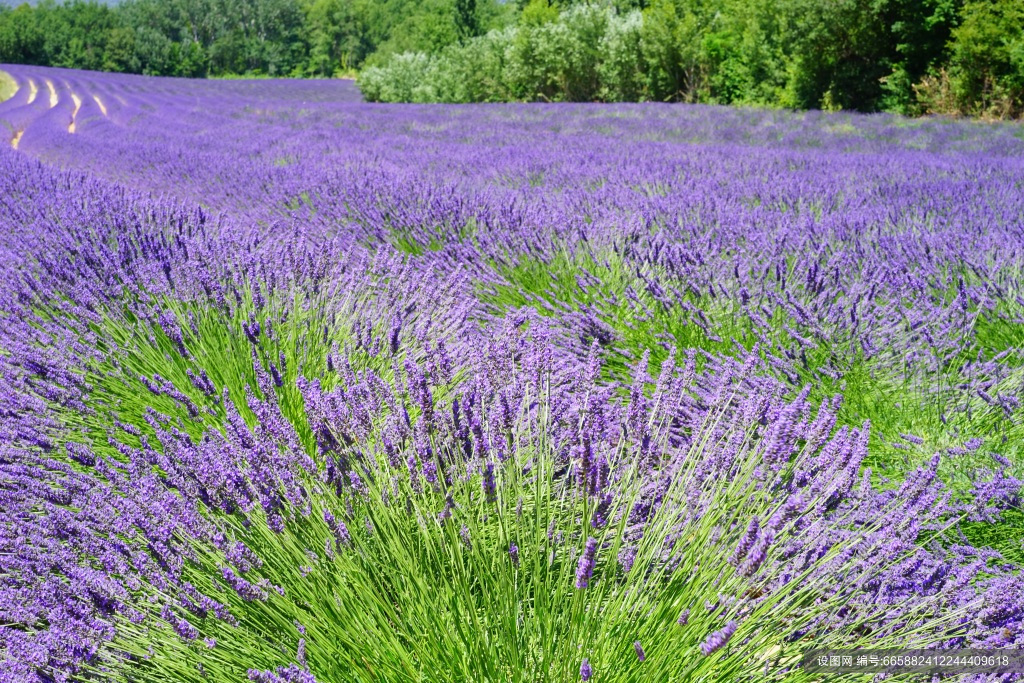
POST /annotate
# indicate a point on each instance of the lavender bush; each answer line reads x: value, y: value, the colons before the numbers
x: 297, y: 388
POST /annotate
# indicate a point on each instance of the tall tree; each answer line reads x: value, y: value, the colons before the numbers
x: 466, y: 19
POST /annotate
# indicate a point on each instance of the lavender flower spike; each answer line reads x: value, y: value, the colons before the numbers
x: 718, y: 639
x: 585, y: 569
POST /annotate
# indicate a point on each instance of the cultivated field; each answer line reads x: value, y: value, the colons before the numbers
x: 299, y: 388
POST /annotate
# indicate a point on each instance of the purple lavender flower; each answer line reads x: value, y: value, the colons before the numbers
x: 746, y: 542
x: 718, y: 639
x: 141, y: 232
x: 357, y: 483
x: 585, y: 671
x: 753, y: 561
x: 790, y: 510
x: 489, y: 485
x: 585, y: 568
x: 342, y: 535
x: 627, y: 556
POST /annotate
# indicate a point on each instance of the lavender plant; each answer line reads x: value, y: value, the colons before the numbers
x: 297, y: 388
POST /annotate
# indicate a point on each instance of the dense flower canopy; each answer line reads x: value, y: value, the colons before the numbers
x: 300, y: 388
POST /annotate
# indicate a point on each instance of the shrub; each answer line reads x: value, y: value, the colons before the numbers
x: 622, y: 65
x: 408, y: 77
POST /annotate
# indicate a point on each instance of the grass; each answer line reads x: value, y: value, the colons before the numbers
x: 8, y: 86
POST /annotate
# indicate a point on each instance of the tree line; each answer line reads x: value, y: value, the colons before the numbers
x: 204, y: 38
x: 905, y: 56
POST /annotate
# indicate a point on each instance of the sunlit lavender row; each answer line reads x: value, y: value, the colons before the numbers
x: 299, y: 388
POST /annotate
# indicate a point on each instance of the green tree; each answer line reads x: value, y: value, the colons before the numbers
x: 671, y: 44
x: 119, y: 54
x: 987, y: 58
x: 336, y: 36
x: 920, y: 30
x: 22, y: 40
x: 842, y: 51
x: 467, y: 22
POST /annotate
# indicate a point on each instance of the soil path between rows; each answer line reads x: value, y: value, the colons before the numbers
x: 74, y: 115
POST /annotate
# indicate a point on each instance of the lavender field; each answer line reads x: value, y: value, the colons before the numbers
x: 298, y: 388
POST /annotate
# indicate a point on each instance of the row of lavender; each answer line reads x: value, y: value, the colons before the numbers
x: 291, y: 381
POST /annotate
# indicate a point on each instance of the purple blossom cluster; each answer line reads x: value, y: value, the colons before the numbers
x: 240, y: 306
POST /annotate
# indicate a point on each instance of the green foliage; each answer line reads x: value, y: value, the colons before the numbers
x: 408, y: 78
x: 551, y: 56
x: 199, y: 38
x: 7, y: 86
x: 621, y: 71
x: 987, y: 61
x: 867, y: 55
x: 467, y: 21
x: 672, y: 51
x: 74, y: 34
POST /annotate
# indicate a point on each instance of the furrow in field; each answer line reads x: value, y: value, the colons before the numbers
x: 74, y: 114
x: 100, y: 104
x: 33, y: 90
x: 53, y: 93
x: 16, y: 139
